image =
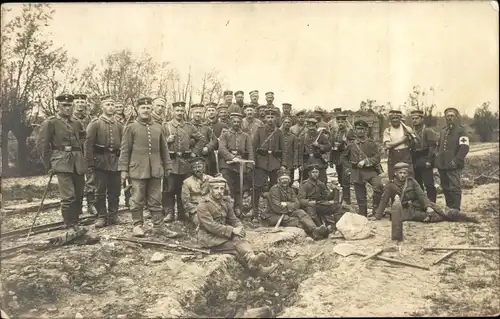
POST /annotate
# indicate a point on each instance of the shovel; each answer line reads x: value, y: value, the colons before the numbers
x: 348, y: 249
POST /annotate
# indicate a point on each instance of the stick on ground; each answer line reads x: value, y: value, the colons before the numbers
x: 440, y: 259
x: 461, y: 248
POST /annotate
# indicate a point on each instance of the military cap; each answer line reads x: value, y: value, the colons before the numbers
x: 271, y: 111
x: 80, y: 96
x: 217, y: 179
x: 311, y: 119
x: 254, y: 92
x: 236, y: 114
x: 212, y: 105
x: 395, y: 112
x: 228, y: 93
x: 159, y: 98
x: 68, y: 98
x: 196, y: 160
x: 106, y: 98
x: 401, y: 165
x: 239, y: 92
x: 179, y: 104
x: 197, y: 106
x: 301, y: 112
x: 313, y: 166
x: 283, y: 173
x: 341, y: 116
x: 417, y: 112
x: 286, y: 104
x: 261, y: 106
x: 222, y: 106
x: 248, y: 106
x: 339, y: 109
x: 269, y: 93
x: 451, y: 109
x: 361, y: 123
x: 144, y: 101
x: 319, y: 110
x: 286, y: 118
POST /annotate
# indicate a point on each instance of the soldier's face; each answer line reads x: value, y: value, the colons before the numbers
x: 197, y: 114
x: 284, y: 181
x: 262, y: 112
x: 211, y: 112
x: 250, y: 112
x: 301, y: 119
x: 80, y: 105
x: 236, y: 122
x: 401, y: 174
x: 217, y: 190
x: 108, y: 108
x: 314, y: 174
x: 179, y: 112
x: 270, y: 119
x: 144, y: 111
x: 287, y: 124
x: 254, y: 98
x: 287, y: 109
x: 451, y: 117
x: 396, y: 121
x: 417, y: 120
x: 228, y: 98
x: 198, y: 169
x: 65, y: 109
x: 223, y: 114
x: 311, y: 126
x: 269, y: 99
x: 360, y: 131
x: 239, y: 99
x: 318, y: 117
x: 341, y: 123
x: 159, y: 107
x: 119, y: 110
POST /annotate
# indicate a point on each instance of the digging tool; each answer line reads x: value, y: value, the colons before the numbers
x: 461, y: 248
x: 155, y: 243
x: 278, y: 223
x: 41, y: 204
x: 448, y: 254
x: 242, y: 163
x: 347, y: 250
x: 372, y: 255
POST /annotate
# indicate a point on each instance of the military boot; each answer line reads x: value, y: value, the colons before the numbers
x: 91, y: 204
x: 113, y: 218
x: 169, y: 214
x: 320, y: 232
x: 254, y: 261
x: 346, y: 195
x: 138, y: 231
x: 100, y: 222
x: 363, y: 211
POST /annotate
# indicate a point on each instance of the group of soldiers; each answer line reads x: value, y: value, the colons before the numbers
x: 202, y: 165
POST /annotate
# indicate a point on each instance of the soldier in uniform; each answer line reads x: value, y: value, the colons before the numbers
x: 121, y: 118
x: 282, y: 200
x: 270, y: 105
x: 268, y: 144
x: 319, y: 114
x: 208, y: 150
x: 416, y: 206
x: 250, y: 124
x: 422, y: 153
x: 158, y: 113
x: 102, y: 149
x: 287, y: 111
x: 315, y: 198
x: 332, y: 124
x: 61, y: 150
x: 340, y: 138
x: 194, y: 188
x: 235, y: 145
x: 144, y: 160
x: 254, y: 98
x: 80, y: 110
x: 396, y: 140
x: 213, y: 121
x: 179, y: 135
x: 237, y: 107
x: 262, y: 110
x: 362, y: 156
x: 450, y: 159
x: 299, y: 128
x: 223, y: 114
x: 222, y: 232
x: 314, y: 148
x: 291, y: 150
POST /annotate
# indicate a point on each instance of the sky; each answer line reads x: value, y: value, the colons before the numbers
x: 328, y: 54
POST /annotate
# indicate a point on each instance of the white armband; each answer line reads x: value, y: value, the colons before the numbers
x: 463, y: 140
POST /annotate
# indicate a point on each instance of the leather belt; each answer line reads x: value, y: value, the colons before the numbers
x: 100, y: 149
x: 69, y: 148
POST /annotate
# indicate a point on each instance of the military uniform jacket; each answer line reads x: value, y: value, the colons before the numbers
x: 290, y: 151
x: 298, y: 130
x: 217, y: 221
x: 453, y: 145
x: 268, y: 144
x: 276, y: 196
x: 313, y: 190
x: 424, y: 148
x: 332, y: 125
x: 60, y: 145
x: 309, y: 154
x: 324, y: 124
x: 156, y: 118
x: 85, y: 119
x: 103, y: 142
x: 193, y: 190
x: 217, y: 127
x: 342, y: 137
x: 210, y: 139
x: 180, y: 149
x: 413, y: 198
x: 357, y: 151
x: 251, y: 127
x: 234, y: 144
x: 144, y: 150
x: 235, y: 108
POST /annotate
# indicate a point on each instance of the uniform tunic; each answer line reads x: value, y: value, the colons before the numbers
x: 217, y: 126
x: 157, y: 118
x: 234, y: 144
x: 268, y: 144
x: 298, y: 129
x: 212, y: 144
x: 290, y: 151
x: 251, y: 127
x: 423, y: 151
x: 311, y: 190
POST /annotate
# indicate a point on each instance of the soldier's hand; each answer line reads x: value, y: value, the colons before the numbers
x: 330, y: 164
x: 427, y: 164
x: 283, y: 168
x: 315, y: 144
x: 90, y: 169
x: 204, y: 151
x: 311, y: 203
x: 124, y: 177
x: 361, y: 163
x: 236, y: 160
x: 283, y: 204
x: 170, y: 138
x: 167, y: 172
x: 238, y: 231
x: 429, y: 210
x: 453, y: 164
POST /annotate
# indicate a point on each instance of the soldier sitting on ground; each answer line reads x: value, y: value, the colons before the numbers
x: 416, y: 205
x: 317, y: 200
x: 221, y: 231
x: 283, y: 201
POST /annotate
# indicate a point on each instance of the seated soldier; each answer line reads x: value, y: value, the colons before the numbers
x: 221, y: 231
x: 194, y: 188
x: 317, y: 200
x: 416, y: 206
x: 282, y: 201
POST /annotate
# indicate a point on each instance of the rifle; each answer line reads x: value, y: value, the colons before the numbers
x: 155, y: 243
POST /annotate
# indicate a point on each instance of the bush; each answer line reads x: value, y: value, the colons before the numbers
x: 35, y: 165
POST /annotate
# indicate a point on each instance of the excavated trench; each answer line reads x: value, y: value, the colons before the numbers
x: 231, y: 290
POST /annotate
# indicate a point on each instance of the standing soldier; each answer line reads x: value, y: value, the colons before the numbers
x: 239, y: 105
x: 423, y: 152
x: 144, y: 159
x: 254, y: 98
x: 287, y: 110
x: 212, y: 119
x: 62, y: 154
x: 339, y: 140
x: 194, y: 188
x: 268, y: 144
x: 179, y: 135
x: 250, y: 124
x: 299, y: 128
x: 450, y: 158
x: 80, y: 114
x: 102, y: 149
x: 314, y: 148
x: 158, y: 113
x: 270, y: 105
x: 235, y: 145
x: 223, y: 114
x: 208, y: 151
x: 290, y: 151
x: 319, y: 114
x: 121, y: 118
x: 396, y: 140
x: 363, y: 158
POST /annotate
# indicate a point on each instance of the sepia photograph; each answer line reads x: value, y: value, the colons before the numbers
x: 249, y: 159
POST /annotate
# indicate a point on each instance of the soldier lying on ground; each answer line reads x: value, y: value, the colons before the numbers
x: 283, y: 201
x: 416, y: 206
x: 221, y: 231
x: 317, y: 200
